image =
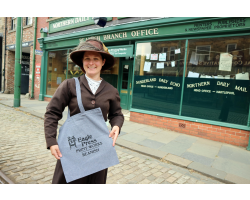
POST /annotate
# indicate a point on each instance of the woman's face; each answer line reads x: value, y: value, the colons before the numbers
x: 92, y: 63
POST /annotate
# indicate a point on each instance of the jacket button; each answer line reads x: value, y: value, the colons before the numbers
x: 93, y: 102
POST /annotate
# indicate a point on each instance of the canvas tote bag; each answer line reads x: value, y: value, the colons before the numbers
x: 85, y: 143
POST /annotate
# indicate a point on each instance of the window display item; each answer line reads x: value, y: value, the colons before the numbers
x: 225, y: 63
x: 193, y: 74
x: 172, y: 63
x: 162, y: 56
x: 147, y: 66
x: 177, y: 51
x: 242, y: 76
x: 154, y: 57
x: 160, y: 65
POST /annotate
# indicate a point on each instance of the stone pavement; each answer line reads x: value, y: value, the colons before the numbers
x: 25, y: 159
x: 223, y: 162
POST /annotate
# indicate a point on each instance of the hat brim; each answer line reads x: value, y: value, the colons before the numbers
x: 77, y: 57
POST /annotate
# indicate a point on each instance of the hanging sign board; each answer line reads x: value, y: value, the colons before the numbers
x: 121, y: 51
x: 38, y: 69
x: 38, y: 52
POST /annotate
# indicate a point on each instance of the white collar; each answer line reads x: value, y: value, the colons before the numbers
x: 90, y: 79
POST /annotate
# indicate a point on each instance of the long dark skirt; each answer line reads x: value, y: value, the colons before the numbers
x: 96, y: 178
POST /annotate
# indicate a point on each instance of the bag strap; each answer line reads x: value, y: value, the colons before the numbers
x: 78, y: 95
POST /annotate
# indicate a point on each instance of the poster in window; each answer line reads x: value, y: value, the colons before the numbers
x: 147, y: 56
x: 225, y: 63
x: 154, y: 57
x: 59, y: 80
x: 193, y: 59
x: 172, y: 63
x: 160, y: 65
x: 147, y: 66
x: 242, y: 76
x: 177, y: 51
x: 52, y: 55
x: 193, y: 74
x: 162, y: 56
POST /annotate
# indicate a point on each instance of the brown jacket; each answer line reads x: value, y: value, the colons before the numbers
x: 106, y: 97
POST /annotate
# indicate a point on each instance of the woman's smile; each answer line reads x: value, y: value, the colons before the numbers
x: 92, y: 63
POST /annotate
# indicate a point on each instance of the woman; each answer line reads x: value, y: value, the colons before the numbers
x: 92, y: 57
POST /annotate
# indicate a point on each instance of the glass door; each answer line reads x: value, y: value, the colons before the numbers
x: 125, y: 84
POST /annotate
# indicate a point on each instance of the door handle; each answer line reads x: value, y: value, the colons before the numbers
x: 130, y: 85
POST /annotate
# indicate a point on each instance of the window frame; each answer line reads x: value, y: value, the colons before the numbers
x: 172, y: 54
x: 196, y: 54
x: 13, y: 23
x: 28, y: 21
x: 235, y: 46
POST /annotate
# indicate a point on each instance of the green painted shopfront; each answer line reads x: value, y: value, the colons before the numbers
x: 186, y: 74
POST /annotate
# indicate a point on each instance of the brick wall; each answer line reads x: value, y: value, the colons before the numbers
x: 10, y: 71
x: 41, y: 23
x: 2, y: 26
x: 217, y: 133
x: 10, y: 55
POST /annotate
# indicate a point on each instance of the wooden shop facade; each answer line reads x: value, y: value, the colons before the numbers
x: 187, y: 74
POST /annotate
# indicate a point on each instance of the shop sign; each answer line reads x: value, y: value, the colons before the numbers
x: 158, y: 83
x: 164, y: 31
x: 121, y: 51
x: 71, y: 22
x: 24, y: 44
x: 211, y: 86
x: 218, y: 86
x: 217, y: 25
x: 38, y: 52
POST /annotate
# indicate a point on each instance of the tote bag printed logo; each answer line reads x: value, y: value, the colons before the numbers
x: 85, y: 146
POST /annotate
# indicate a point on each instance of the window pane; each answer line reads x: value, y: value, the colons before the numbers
x: 111, y: 75
x: 56, y: 70
x: 217, y: 83
x: 73, y: 69
x: 158, y: 76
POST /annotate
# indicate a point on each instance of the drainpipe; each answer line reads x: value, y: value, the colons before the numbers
x: 33, y: 61
x: 4, y: 58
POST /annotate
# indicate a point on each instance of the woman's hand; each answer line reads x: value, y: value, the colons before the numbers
x: 114, y: 133
x: 55, y: 151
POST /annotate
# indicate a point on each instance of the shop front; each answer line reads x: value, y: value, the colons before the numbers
x: 186, y: 74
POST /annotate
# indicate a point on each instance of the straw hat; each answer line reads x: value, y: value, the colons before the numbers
x: 95, y: 45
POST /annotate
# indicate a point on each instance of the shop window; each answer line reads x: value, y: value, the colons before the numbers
x: 158, y: 76
x: 13, y: 23
x: 28, y: 21
x: 217, y: 85
x: 111, y: 75
x: 202, y: 53
x: 73, y: 69
x: 56, y: 70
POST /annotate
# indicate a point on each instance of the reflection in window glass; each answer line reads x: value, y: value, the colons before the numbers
x: 111, y: 75
x: 158, y: 76
x: 73, y: 69
x: 217, y: 83
x: 56, y: 68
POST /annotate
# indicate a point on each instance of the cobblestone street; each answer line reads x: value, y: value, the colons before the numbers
x: 25, y: 159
